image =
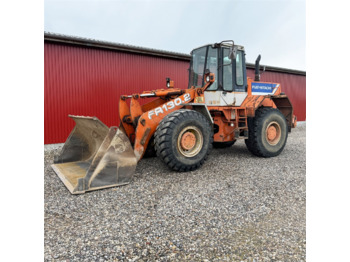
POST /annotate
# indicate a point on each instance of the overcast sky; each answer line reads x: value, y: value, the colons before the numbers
x: 273, y: 28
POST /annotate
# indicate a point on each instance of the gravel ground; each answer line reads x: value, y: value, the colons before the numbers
x: 236, y: 207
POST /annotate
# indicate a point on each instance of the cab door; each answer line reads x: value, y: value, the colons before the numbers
x: 231, y: 82
x: 234, y: 79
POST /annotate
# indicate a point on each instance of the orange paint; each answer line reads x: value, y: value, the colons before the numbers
x: 230, y: 122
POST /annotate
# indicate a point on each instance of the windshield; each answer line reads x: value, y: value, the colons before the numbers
x: 203, y: 58
x: 197, y: 67
x: 212, y: 65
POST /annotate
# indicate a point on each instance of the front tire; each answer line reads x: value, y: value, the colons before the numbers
x: 183, y: 140
x: 150, y: 151
x: 268, y: 132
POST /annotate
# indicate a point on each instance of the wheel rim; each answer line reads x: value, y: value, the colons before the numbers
x: 273, y: 133
x: 190, y: 141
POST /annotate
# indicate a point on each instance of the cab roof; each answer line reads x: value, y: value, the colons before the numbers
x: 222, y: 44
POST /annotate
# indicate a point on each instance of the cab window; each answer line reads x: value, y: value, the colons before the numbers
x: 197, y: 67
x: 212, y: 65
x: 239, y: 69
x: 233, y: 81
x: 203, y: 58
x: 227, y: 71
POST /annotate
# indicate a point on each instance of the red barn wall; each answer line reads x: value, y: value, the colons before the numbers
x: 88, y: 81
x: 80, y: 80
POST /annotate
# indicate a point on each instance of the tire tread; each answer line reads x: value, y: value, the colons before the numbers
x: 163, y: 139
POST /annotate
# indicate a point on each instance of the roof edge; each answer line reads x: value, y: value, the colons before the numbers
x: 277, y: 69
x: 74, y: 40
x: 80, y: 41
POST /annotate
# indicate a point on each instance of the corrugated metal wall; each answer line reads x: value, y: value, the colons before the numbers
x: 89, y: 81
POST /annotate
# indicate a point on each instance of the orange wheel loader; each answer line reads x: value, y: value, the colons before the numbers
x: 180, y: 126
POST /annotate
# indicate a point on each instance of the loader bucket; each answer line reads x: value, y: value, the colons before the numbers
x: 95, y: 157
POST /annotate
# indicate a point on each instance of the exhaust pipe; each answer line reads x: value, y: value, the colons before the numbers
x: 257, y: 66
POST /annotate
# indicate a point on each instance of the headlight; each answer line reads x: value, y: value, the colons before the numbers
x: 167, y: 82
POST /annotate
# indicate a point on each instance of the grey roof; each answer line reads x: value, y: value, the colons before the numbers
x: 59, y: 38
x: 80, y: 41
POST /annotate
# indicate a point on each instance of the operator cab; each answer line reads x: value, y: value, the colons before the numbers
x: 230, y: 85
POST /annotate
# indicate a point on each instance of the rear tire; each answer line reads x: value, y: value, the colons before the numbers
x: 183, y: 140
x: 268, y: 132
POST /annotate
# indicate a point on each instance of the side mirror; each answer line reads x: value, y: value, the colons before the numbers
x: 233, y: 52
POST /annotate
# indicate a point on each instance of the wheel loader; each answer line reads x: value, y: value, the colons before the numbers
x: 180, y: 126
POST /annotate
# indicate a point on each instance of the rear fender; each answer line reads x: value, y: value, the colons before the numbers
x: 252, y: 103
x: 283, y: 103
x: 148, y: 122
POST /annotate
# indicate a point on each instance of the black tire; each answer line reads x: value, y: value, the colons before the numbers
x: 150, y: 151
x: 223, y: 144
x: 267, y: 133
x: 170, y: 140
